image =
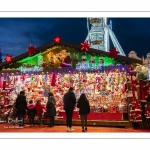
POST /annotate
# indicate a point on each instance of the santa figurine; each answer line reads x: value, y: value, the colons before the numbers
x: 100, y: 63
x: 51, y: 62
x: 84, y: 64
x: 66, y: 62
x: 12, y: 79
x: 40, y: 81
x: 98, y: 77
x: 84, y: 77
x: 92, y: 61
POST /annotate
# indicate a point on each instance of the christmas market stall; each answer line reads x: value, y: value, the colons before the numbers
x: 111, y: 82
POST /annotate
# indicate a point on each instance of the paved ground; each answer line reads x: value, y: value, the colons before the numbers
x: 4, y: 127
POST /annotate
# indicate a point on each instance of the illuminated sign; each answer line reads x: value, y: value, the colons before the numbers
x: 86, y: 66
x: 31, y: 69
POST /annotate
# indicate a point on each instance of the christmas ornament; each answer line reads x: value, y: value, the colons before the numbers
x: 113, y: 52
x: 31, y: 50
x: 85, y: 46
x: 57, y: 40
x: 8, y: 58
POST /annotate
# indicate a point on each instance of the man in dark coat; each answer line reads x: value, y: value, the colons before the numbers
x: 21, y: 106
x: 69, y: 101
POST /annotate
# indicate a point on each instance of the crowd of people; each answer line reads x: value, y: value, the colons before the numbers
x: 21, y: 108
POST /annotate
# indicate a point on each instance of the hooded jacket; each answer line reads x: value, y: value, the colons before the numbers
x: 39, y: 109
x: 31, y: 110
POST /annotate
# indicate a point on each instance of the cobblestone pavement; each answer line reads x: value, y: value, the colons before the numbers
x: 4, y: 127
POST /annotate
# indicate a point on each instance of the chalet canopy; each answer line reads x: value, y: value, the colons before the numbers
x: 94, y: 52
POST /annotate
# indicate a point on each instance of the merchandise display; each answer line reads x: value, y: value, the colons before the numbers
x: 113, y: 89
x: 106, y: 91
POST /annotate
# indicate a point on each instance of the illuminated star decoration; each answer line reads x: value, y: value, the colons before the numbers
x: 31, y: 50
x: 57, y: 40
x: 113, y: 52
x: 8, y: 58
x: 85, y: 46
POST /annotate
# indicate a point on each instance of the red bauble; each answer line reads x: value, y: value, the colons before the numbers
x: 31, y: 50
x: 57, y: 40
x: 85, y: 46
x: 8, y: 58
x: 113, y: 52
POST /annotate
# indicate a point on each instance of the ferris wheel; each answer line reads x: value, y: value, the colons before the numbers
x: 98, y: 35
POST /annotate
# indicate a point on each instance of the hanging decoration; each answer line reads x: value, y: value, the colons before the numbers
x: 31, y: 50
x: 57, y: 40
x: 113, y: 52
x: 85, y: 46
x: 8, y: 58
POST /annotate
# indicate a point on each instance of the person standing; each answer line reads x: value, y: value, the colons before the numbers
x: 39, y: 111
x: 31, y: 112
x: 21, y: 106
x: 51, y: 108
x: 69, y: 101
x: 84, y: 110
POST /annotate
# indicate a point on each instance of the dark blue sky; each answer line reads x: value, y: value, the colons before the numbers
x: 16, y: 34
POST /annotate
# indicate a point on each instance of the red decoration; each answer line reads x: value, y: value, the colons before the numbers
x: 43, y: 64
x: 8, y: 58
x: 53, y: 80
x: 4, y: 84
x: 66, y: 62
x: 57, y: 40
x: 31, y: 50
x: 113, y: 52
x: 85, y: 46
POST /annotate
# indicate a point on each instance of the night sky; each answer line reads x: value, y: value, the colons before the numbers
x: 16, y: 34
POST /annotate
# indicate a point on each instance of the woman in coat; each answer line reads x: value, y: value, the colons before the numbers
x: 84, y: 110
x: 21, y: 106
x: 51, y: 108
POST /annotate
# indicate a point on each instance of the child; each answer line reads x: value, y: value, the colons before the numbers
x: 39, y: 111
x: 31, y: 112
x: 84, y: 110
